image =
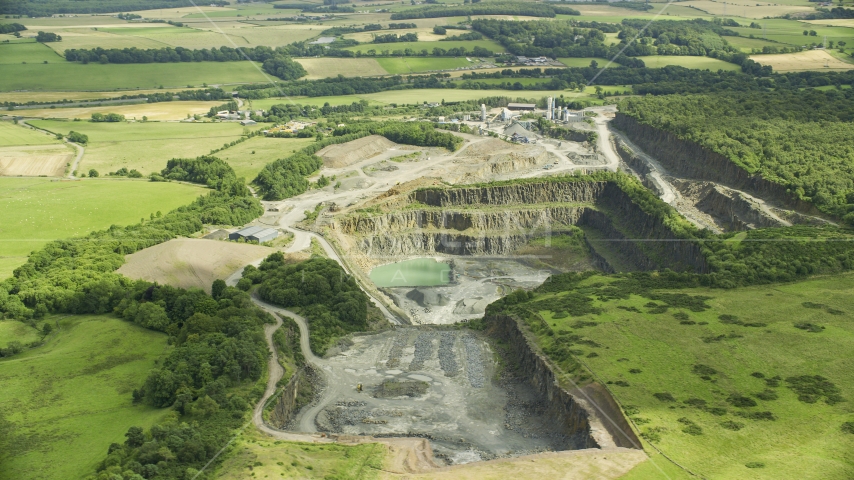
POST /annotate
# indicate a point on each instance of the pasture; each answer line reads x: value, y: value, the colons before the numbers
x: 424, y: 34
x: 808, y: 60
x: 23, y: 97
x: 791, y: 32
x: 349, y: 67
x: 65, y: 402
x: 144, y: 146
x: 699, y: 63
x: 748, y: 8
x: 68, y: 76
x: 15, y: 331
x: 405, y: 65
x: 249, y: 157
x: 13, y: 135
x: 746, y: 44
x: 696, y: 380
x: 21, y: 53
x: 34, y: 211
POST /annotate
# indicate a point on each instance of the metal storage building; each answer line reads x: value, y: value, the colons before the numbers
x: 255, y: 234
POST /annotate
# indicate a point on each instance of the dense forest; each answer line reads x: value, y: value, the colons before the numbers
x: 527, y: 9
x: 207, y: 170
x: 801, y: 140
x: 318, y: 289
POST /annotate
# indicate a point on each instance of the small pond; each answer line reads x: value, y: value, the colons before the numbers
x: 419, y: 272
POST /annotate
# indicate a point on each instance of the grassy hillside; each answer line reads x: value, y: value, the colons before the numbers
x: 723, y: 381
x: 34, y: 211
x: 64, y: 403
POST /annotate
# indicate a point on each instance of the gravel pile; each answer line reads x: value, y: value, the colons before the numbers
x: 474, y: 362
x: 447, y: 357
x: 423, y: 351
x: 340, y: 417
x: 396, y: 351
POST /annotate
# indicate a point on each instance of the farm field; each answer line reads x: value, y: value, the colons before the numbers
x: 249, y: 157
x: 700, y: 63
x: 349, y: 67
x: 579, y: 62
x: 78, y: 77
x: 424, y: 34
x: 748, y: 9
x: 144, y: 146
x: 423, y: 95
x: 186, y: 262
x: 652, y: 368
x: 809, y: 60
x: 20, y: 53
x: 35, y: 160
x: 34, y: 211
x: 24, y: 97
x: 429, y: 46
x: 746, y: 44
x: 405, y: 65
x: 12, y: 135
x: 69, y: 399
x: 791, y: 32
x: 90, y: 38
x: 154, y: 111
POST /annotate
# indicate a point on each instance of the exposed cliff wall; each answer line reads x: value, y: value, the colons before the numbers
x: 520, y: 193
x: 503, y: 220
x: 285, y: 407
x: 588, y: 425
x: 690, y: 160
x: 661, y: 247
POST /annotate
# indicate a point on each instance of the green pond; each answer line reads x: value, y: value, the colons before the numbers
x: 419, y: 272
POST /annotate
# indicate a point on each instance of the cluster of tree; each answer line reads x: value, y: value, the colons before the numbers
x: 128, y: 16
x: 11, y: 27
x: 497, y: 8
x: 320, y: 289
x: 836, y: 12
x: 370, y: 27
x: 218, y: 355
x: 32, y: 8
x: 110, y: 117
x: 398, y: 26
x: 642, y: 6
x: 409, y: 133
x: 394, y: 38
x: 77, y: 137
x: 230, y: 106
x: 276, y: 61
x: 798, y: 139
x: 45, y: 37
x: 124, y: 172
x: 314, y: 8
x: 207, y: 170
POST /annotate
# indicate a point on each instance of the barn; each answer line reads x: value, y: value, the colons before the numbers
x: 255, y: 234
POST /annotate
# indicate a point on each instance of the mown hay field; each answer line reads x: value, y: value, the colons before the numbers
x: 349, y: 67
x: 809, y: 60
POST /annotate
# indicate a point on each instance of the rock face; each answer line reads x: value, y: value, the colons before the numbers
x: 690, y: 160
x: 284, y: 410
x: 589, y: 416
x: 498, y: 220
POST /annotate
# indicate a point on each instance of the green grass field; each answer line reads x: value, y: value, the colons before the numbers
x: 19, y: 53
x: 144, y: 146
x: 791, y: 32
x: 65, y: 402
x: 247, y: 164
x: 34, y: 211
x: 405, y: 65
x: 429, y: 46
x: 15, y: 331
x: 700, y: 63
x: 747, y: 44
x: 67, y: 76
x: 640, y: 353
x: 276, y: 459
x: 19, y: 135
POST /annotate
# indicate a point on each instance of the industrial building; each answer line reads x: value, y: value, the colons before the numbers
x: 521, y: 106
x: 255, y: 234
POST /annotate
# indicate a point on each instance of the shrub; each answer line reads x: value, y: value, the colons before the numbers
x: 811, y: 388
x: 730, y: 425
x: 729, y: 319
x: 809, y: 327
x: 767, y: 395
x: 700, y: 369
x: 664, y: 397
x: 754, y: 465
x: 635, y: 370
x: 757, y: 375
x: 695, y: 402
x: 757, y: 415
x: 848, y: 427
x: 741, y: 401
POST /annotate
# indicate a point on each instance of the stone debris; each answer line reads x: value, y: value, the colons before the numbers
x: 447, y: 357
x: 474, y: 362
x: 423, y: 350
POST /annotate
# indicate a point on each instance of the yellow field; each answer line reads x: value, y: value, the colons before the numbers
x: 349, y: 67
x: 35, y: 160
x: 747, y: 8
x: 154, y: 111
x: 424, y: 34
x: 275, y: 36
x: 809, y: 60
x: 172, y: 13
x: 839, y: 22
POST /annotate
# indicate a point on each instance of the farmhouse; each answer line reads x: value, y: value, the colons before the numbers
x: 254, y: 234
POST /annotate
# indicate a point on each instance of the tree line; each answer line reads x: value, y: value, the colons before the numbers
x: 53, y: 7
x: 527, y: 9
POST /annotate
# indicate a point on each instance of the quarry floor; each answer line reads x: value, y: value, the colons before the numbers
x: 468, y: 409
